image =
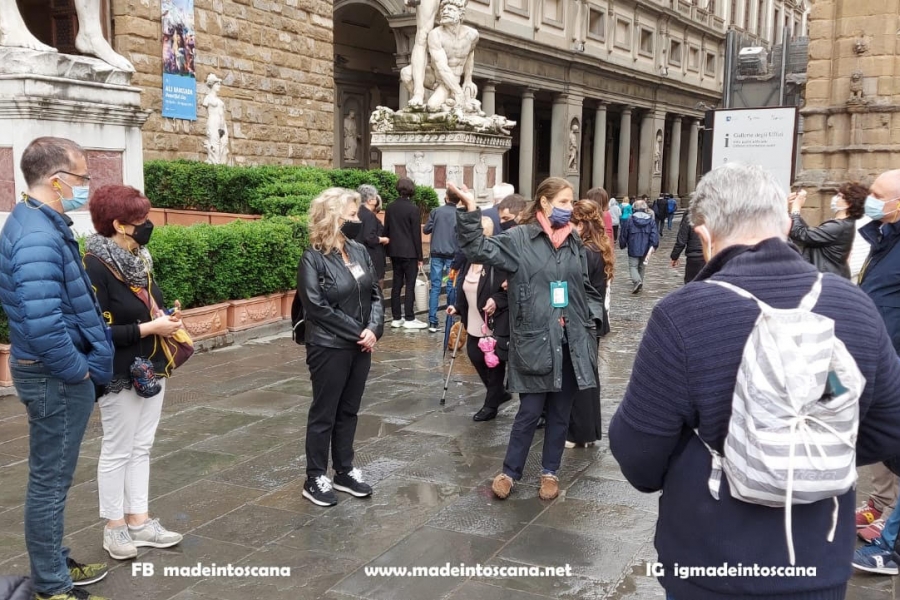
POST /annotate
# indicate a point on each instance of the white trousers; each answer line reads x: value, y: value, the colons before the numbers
x: 123, y: 472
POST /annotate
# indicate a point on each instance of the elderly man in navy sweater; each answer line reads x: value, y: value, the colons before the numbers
x: 688, y: 368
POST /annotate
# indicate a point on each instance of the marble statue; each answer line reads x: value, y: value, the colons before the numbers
x: 89, y: 40
x: 216, y: 143
x: 426, y: 12
x: 657, y: 154
x: 420, y: 171
x: 351, y: 136
x: 481, y: 173
x: 572, y: 161
x: 448, y: 73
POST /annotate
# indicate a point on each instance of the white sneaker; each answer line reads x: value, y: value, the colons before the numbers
x: 154, y: 535
x: 118, y: 543
x: 415, y: 324
x: 397, y: 323
x: 570, y: 445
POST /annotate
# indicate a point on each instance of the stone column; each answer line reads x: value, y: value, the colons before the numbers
x: 693, y: 141
x: 675, y: 157
x: 645, y: 155
x: 489, y: 98
x: 599, y: 166
x: 526, y: 144
x: 624, y: 152
x: 566, y: 114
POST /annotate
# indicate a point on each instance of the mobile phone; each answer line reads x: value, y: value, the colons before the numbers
x: 171, y: 311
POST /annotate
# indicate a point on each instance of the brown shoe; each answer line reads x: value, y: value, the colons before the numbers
x: 502, y: 486
x: 549, y: 487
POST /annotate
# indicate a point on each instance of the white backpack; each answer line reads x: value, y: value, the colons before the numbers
x: 794, y: 414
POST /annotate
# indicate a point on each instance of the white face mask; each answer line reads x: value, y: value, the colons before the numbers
x: 834, y: 203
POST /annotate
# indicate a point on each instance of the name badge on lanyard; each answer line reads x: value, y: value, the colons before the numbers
x: 559, y: 294
x: 356, y: 270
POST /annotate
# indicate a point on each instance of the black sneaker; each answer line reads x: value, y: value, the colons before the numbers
x: 352, y: 483
x: 82, y: 574
x: 318, y: 491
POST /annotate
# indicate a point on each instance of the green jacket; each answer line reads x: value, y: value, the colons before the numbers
x: 536, y: 340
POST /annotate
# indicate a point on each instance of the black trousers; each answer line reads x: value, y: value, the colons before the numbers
x: 405, y: 271
x: 659, y: 225
x: 559, y: 409
x: 338, y: 380
x: 692, y: 268
x: 615, y: 233
x: 492, y: 379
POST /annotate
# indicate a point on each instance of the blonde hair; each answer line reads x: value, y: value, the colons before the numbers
x: 487, y: 224
x: 325, y: 214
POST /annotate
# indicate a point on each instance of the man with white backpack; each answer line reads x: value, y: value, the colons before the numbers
x: 755, y: 406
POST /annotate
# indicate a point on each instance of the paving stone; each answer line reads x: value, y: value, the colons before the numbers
x: 479, y: 512
x: 567, y: 587
x: 253, y: 525
x: 267, y: 471
x: 200, y: 503
x: 609, y: 491
x: 185, y: 467
x: 263, y: 402
x: 452, y: 466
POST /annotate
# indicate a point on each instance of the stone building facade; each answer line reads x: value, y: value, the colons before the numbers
x: 852, y: 111
x: 634, y: 76
x: 276, y: 59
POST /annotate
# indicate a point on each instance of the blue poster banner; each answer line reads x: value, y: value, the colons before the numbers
x: 179, y: 98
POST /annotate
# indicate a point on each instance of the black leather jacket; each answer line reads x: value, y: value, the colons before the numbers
x: 338, y: 306
x: 827, y: 246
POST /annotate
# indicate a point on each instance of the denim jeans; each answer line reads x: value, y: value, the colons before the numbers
x: 671, y: 218
x: 440, y: 267
x: 58, y: 414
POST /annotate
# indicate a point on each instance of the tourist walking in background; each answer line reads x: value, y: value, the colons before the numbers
x: 498, y: 192
x: 639, y: 235
x: 60, y: 350
x: 509, y: 210
x: 627, y: 210
x: 344, y: 312
x: 371, y: 234
x: 585, y: 427
x: 121, y: 271
x: 599, y: 197
x: 403, y: 227
x: 688, y: 242
x: 441, y: 226
x: 661, y: 210
x: 555, y: 314
x: 671, y: 209
x: 481, y: 302
x: 615, y: 214
x: 693, y: 388
x: 828, y: 245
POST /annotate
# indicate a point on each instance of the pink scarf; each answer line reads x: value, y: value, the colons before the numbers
x: 557, y: 236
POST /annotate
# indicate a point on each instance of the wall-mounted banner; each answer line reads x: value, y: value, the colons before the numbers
x: 179, y: 99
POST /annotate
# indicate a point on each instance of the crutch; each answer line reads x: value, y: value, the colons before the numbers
x: 450, y: 370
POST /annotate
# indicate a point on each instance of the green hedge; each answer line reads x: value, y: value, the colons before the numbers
x: 262, y: 190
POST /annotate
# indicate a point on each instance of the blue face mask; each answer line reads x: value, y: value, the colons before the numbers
x: 79, y: 198
x: 559, y: 217
x: 875, y: 208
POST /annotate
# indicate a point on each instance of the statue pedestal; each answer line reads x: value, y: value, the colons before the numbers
x: 438, y: 158
x: 76, y: 97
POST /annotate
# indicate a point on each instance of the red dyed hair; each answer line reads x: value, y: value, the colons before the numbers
x: 121, y: 203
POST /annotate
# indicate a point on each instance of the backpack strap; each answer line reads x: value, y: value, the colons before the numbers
x: 806, y: 304
x: 810, y: 299
x: 741, y: 292
x: 715, y: 474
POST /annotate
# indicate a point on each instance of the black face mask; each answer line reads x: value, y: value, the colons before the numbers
x: 508, y: 225
x: 142, y: 233
x: 351, y: 229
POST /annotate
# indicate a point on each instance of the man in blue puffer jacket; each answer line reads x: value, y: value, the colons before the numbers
x: 60, y: 350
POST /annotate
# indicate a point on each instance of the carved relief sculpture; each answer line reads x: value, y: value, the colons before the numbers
x: 572, y: 159
x: 481, y: 172
x: 419, y: 170
x: 857, y: 95
x: 216, y: 143
x: 351, y: 137
x: 90, y: 40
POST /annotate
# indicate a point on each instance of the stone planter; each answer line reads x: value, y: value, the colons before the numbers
x: 216, y: 218
x: 171, y: 216
x: 244, y: 314
x: 206, y: 321
x: 186, y: 217
x: 158, y: 216
x: 5, y: 375
x: 286, y: 303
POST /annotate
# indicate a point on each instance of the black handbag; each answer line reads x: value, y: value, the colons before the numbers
x: 298, y: 322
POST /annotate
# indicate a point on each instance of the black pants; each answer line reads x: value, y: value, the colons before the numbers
x: 405, y: 271
x: 659, y: 225
x: 615, y: 233
x: 491, y: 378
x: 559, y: 409
x: 692, y: 268
x: 338, y: 380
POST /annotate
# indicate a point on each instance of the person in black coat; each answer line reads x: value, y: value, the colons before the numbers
x: 828, y: 246
x: 661, y: 212
x: 403, y: 227
x: 490, y: 309
x: 371, y: 234
x: 688, y: 242
x: 344, y: 316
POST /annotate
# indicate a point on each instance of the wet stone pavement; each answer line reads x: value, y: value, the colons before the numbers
x: 228, y: 468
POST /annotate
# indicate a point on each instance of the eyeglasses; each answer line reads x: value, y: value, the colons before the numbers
x: 82, y: 177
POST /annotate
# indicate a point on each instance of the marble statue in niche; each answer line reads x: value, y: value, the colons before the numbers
x: 216, y: 143
x: 657, y: 154
x: 572, y: 159
x: 351, y: 137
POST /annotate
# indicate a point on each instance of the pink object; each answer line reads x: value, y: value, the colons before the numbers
x: 487, y: 345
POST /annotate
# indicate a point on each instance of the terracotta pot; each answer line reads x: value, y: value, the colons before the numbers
x: 186, y: 217
x: 206, y: 321
x: 286, y: 303
x: 5, y: 375
x: 158, y: 216
x: 244, y: 314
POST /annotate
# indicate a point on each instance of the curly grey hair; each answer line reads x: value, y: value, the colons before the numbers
x: 367, y: 192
